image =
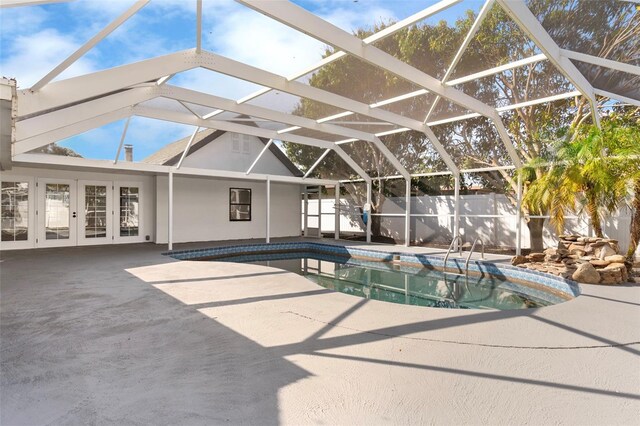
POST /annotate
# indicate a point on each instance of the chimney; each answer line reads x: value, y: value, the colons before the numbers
x: 128, y: 153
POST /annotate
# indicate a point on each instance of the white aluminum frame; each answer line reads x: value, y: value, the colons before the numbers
x: 75, y: 105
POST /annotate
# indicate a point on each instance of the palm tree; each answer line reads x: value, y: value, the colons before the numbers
x: 591, y: 170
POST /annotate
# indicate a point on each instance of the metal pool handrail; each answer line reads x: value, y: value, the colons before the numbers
x: 456, y: 238
x: 466, y: 265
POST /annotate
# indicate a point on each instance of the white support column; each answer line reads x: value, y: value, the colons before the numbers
x: 336, y: 226
x: 370, y: 218
x: 268, y: 233
x: 407, y: 216
x: 519, y: 217
x: 320, y: 211
x: 456, y: 211
x: 170, y: 213
x: 306, y: 212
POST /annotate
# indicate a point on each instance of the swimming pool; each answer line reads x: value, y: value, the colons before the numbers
x: 405, y: 278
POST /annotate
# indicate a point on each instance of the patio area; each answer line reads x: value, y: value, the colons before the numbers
x: 122, y: 334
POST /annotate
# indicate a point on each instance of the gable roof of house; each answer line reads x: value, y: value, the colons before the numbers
x: 170, y: 154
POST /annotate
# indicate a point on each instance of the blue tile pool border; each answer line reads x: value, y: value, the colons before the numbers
x: 562, y: 287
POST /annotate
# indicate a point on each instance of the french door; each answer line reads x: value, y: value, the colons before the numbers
x: 86, y: 212
x: 95, y: 212
x: 57, y: 213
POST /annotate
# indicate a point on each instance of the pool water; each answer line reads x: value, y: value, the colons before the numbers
x: 395, y: 283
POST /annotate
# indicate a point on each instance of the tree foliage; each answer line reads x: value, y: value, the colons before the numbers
x: 593, y: 170
x: 472, y: 143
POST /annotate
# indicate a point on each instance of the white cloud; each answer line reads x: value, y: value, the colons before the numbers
x: 21, y: 20
x: 33, y: 56
x: 252, y: 38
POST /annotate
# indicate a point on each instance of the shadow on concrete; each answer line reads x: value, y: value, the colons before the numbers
x: 610, y: 300
x: 137, y: 354
x: 482, y: 375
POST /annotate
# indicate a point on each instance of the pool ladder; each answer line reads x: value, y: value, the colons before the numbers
x: 458, y: 238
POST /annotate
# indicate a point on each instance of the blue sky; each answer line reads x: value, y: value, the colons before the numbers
x: 34, y: 39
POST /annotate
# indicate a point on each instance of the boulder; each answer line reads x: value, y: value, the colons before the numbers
x: 587, y: 274
x: 599, y: 263
x: 575, y: 246
x: 619, y: 267
x: 536, y: 257
x: 616, y: 258
x: 552, y: 258
x: 518, y: 260
x: 605, y: 251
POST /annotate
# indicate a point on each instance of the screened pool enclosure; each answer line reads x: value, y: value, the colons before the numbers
x: 443, y: 98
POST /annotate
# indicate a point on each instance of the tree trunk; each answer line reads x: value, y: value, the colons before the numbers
x: 635, y: 223
x: 376, y: 225
x: 536, y: 226
x: 592, y: 211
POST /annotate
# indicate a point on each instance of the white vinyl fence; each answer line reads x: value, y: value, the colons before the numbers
x: 491, y: 217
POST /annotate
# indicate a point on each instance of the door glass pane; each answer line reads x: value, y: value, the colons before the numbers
x: 129, y: 208
x: 57, y: 199
x: 95, y: 211
x: 15, y: 211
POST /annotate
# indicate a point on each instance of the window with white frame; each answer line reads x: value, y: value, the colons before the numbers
x: 239, y: 204
x: 15, y: 211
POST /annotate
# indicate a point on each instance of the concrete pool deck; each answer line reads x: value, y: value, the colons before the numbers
x: 121, y: 334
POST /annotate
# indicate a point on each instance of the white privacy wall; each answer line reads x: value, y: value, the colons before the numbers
x: 201, y: 210
x: 500, y: 231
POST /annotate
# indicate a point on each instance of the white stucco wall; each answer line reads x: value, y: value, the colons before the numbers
x: 201, y: 210
x: 221, y: 154
x: 147, y: 197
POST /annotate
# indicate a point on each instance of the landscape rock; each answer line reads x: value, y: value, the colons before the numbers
x: 587, y: 274
x: 589, y: 260
x: 616, y: 258
x: 605, y: 250
x: 518, y: 260
x: 536, y: 257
